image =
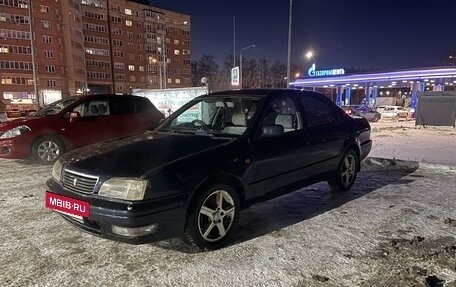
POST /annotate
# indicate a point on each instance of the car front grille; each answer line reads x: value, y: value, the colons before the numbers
x: 79, y: 182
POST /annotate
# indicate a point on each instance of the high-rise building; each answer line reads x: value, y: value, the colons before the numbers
x: 90, y: 46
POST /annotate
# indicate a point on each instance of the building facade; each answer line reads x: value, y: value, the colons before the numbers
x: 55, y: 49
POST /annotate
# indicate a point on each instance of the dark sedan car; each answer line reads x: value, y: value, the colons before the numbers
x: 75, y: 122
x: 217, y: 155
x: 367, y: 112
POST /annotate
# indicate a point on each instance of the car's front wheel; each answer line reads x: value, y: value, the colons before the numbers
x: 346, y: 173
x: 48, y: 149
x: 213, y: 218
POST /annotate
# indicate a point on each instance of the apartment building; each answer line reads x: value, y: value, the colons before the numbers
x: 90, y: 46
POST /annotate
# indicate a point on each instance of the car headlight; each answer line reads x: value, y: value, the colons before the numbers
x: 57, y: 170
x: 124, y: 188
x: 14, y: 132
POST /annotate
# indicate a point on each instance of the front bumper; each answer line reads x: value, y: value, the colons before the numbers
x: 14, y: 149
x: 365, y: 149
x: 168, y: 214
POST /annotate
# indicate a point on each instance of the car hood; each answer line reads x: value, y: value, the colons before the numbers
x: 28, y: 121
x: 137, y: 155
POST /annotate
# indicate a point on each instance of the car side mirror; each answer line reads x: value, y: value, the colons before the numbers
x: 74, y: 116
x: 272, y: 131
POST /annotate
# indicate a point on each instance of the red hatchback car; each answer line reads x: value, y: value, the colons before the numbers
x: 75, y: 122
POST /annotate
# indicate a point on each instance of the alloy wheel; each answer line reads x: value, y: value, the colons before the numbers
x: 348, y: 171
x: 216, y: 216
x: 48, y: 151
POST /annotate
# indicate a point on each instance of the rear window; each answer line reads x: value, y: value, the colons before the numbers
x: 124, y: 106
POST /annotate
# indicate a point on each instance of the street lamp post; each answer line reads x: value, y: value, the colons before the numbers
x: 159, y: 72
x: 310, y: 55
x: 165, y: 60
x: 240, y: 63
x: 289, y: 44
x: 34, y: 67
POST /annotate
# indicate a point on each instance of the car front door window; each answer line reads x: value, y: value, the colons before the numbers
x: 281, y: 115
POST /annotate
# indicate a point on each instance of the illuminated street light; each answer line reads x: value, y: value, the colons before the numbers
x: 310, y: 55
x: 240, y: 63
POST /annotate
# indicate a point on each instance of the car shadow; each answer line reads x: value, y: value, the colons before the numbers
x: 311, y: 201
x: 303, y: 204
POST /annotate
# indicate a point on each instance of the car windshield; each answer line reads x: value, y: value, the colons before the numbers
x: 54, y: 108
x: 222, y: 116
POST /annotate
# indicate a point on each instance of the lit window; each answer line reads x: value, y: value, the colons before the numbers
x: 178, y: 81
x: 44, y: 9
x: 45, y: 24
x: 131, y: 67
x: 128, y: 12
x: 176, y: 52
x: 128, y: 23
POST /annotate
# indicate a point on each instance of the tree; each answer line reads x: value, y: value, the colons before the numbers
x: 250, y: 74
x: 450, y: 59
x: 279, y: 74
x: 204, y: 67
x: 264, y: 73
x: 225, y: 72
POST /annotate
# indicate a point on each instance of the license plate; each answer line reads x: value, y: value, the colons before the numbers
x: 67, y: 205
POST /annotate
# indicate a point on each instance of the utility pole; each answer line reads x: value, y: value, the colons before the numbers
x: 289, y: 44
x: 234, y: 41
x: 32, y: 47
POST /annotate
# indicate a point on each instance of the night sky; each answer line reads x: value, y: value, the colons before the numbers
x: 385, y: 35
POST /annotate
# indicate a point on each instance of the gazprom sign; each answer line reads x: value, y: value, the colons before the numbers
x: 322, y: 73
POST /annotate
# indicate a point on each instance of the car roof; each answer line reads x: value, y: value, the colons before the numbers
x: 80, y: 99
x: 260, y: 92
x: 96, y: 96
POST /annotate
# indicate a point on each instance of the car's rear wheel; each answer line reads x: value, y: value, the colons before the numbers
x: 376, y: 118
x: 48, y: 149
x: 346, y: 174
x: 213, y: 218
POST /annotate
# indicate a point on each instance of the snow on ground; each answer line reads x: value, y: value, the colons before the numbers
x: 396, y: 227
x: 404, y: 140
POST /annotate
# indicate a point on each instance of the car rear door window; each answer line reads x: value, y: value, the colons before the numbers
x: 319, y: 112
x: 125, y: 106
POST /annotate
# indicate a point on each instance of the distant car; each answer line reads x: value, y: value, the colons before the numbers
x: 214, y: 156
x: 348, y: 109
x: 395, y: 113
x: 74, y: 122
x: 14, y: 113
x: 367, y: 112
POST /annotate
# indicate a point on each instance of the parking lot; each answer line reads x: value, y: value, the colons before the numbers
x: 396, y: 227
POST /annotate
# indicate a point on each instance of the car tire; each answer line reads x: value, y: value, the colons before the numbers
x: 376, y: 118
x: 47, y: 149
x: 212, y: 218
x: 346, y: 173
